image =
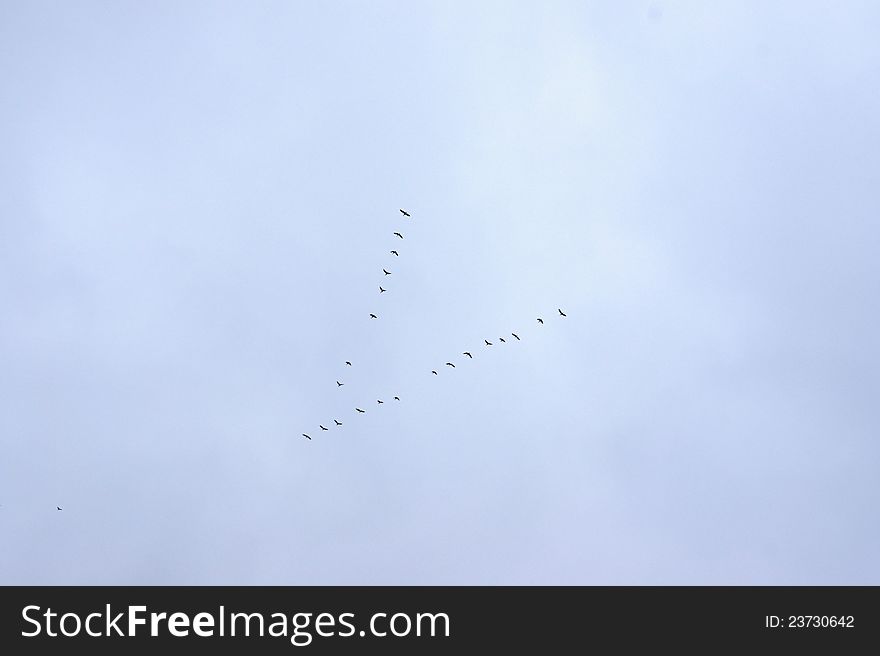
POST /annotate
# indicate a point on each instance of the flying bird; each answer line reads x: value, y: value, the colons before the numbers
x: 387, y: 273
x: 397, y: 398
x: 337, y: 422
x: 348, y: 363
x: 515, y: 335
x: 306, y: 436
x: 322, y: 428
x: 488, y: 343
x: 501, y: 339
x: 373, y: 316
x: 404, y: 212
x: 540, y: 321
x: 395, y: 253
x: 562, y: 313
x: 381, y: 289
x: 338, y: 384
x: 359, y: 410
x: 449, y: 364
x: 468, y: 354
x: 379, y: 401
x: 399, y: 235
x: 434, y: 372
x: 57, y: 507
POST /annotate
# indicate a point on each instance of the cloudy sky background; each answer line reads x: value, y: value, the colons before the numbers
x: 196, y: 201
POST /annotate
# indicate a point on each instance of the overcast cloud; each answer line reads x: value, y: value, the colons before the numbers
x: 197, y: 200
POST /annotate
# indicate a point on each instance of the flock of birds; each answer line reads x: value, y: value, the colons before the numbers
x: 382, y: 290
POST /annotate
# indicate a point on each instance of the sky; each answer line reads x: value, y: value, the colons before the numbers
x: 197, y: 201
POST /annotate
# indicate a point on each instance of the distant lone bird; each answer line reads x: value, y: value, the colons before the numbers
x: 397, y: 398
x: 399, y: 235
x: 387, y: 273
x: 501, y: 339
x: 348, y: 363
x: 322, y: 428
x: 404, y: 212
x: 562, y: 313
x: 306, y: 436
x: 434, y: 372
x: 338, y: 384
x: 449, y: 364
x: 515, y: 335
x: 381, y: 289
x: 337, y: 422
x: 359, y: 410
x: 58, y: 508
x: 488, y: 343
x: 468, y: 354
x: 540, y: 320
x: 379, y: 401
x: 373, y: 316
x: 395, y: 253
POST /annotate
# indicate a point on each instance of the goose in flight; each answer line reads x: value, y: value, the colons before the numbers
x: 379, y: 401
x: 373, y: 316
x: 322, y: 428
x: 387, y: 273
x: 404, y: 212
x: 395, y: 253
x: 540, y: 321
x: 306, y: 436
x: 58, y: 508
x: 338, y: 384
x: 337, y: 422
x: 449, y: 364
x: 397, y: 398
x: 434, y: 372
x: 562, y: 313
x: 348, y: 363
x: 517, y: 336
x: 381, y: 289
x: 501, y: 339
x: 488, y: 343
x: 399, y: 235
x: 468, y: 354
x: 359, y: 410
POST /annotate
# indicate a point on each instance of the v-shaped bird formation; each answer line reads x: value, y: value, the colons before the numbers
x: 450, y: 364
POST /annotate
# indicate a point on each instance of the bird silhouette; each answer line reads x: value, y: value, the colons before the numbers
x: 399, y: 235
x: 359, y: 410
x: 387, y: 273
x: 379, y: 401
x: 563, y: 313
x: 540, y: 320
x: 404, y: 212
x: 488, y: 343
x: 397, y: 398
x: 338, y: 384
x: 322, y: 428
x: 58, y: 508
x: 434, y: 372
x: 306, y: 436
x: 468, y: 354
x: 337, y: 422
x: 381, y: 290
x: 348, y: 363
x: 395, y: 253
x: 501, y: 339
x: 449, y: 364
x: 517, y: 336
x: 373, y: 316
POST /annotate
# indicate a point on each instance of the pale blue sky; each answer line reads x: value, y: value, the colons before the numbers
x: 197, y: 200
